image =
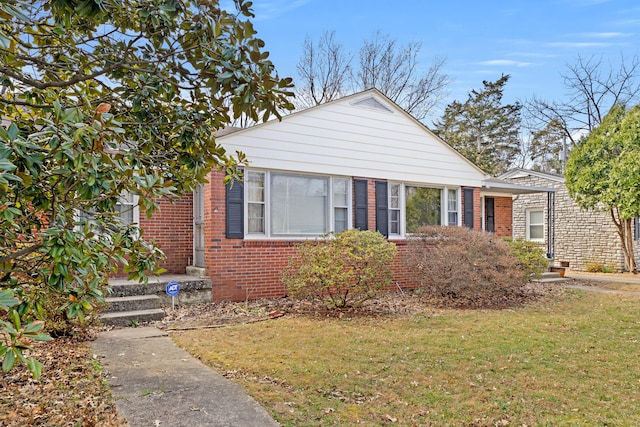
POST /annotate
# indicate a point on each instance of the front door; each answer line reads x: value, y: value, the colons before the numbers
x: 489, y: 215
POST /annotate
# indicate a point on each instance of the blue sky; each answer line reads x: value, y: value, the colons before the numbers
x: 532, y: 40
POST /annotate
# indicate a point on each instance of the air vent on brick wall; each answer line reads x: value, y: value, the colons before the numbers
x: 371, y: 102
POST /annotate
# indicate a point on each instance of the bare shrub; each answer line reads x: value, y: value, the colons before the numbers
x: 343, y: 270
x: 458, y: 267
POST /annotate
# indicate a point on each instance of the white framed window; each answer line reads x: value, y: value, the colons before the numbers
x: 254, y: 182
x: 423, y: 206
x: 127, y: 208
x: 452, y: 207
x: 535, y: 225
x: 341, y: 203
x: 395, y: 190
x: 280, y: 204
x: 412, y: 206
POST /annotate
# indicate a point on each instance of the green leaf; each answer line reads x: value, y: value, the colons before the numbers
x: 35, y: 367
x: 12, y: 132
x: 33, y: 327
x: 7, y: 299
x: 9, y: 360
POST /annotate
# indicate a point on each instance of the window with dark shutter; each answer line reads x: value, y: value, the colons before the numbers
x: 468, y: 207
x: 382, y: 214
x: 361, y: 200
x: 234, y: 211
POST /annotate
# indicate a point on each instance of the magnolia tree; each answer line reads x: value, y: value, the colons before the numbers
x: 603, y: 172
x: 101, y: 98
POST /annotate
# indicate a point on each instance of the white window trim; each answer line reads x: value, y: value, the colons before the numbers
x: 444, y: 206
x: 527, y: 224
x: 135, y: 206
x: 267, y: 204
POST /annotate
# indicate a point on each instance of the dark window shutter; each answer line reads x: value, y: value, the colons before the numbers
x: 636, y: 228
x: 234, y: 210
x: 361, y: 204
x: 382, y: 212
x: 490, y: 216
x: 468, y: 207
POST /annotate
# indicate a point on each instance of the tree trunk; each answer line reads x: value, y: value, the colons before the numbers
x: 623, y: 227
x: 631, y: 261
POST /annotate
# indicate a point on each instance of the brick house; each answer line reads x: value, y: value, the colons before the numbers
x: 575, y: 235
x: 360, y: 161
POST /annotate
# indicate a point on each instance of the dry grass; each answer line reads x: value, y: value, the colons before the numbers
x: 569, y: 362
x: 630, y: 287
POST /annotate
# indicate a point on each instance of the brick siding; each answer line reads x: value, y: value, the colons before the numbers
x: 503, y: 215
x: 250, y: 269
x: 172, y: 229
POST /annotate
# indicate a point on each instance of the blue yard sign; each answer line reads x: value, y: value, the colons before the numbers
x: 172, y: 289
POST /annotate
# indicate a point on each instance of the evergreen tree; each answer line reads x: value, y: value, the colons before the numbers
x: 483, y: 129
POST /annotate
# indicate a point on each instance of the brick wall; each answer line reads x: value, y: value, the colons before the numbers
x: 172, y: 228
x: 250, y: 269
x: 503, y: 216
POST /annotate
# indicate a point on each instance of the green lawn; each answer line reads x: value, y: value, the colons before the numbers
x: 572, y: 362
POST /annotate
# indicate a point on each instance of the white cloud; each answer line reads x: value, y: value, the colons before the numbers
x: 267, y: 9
x: 607, y: 35
x: 505, y: 63
x: 275, y: 8
x: 578, y: 45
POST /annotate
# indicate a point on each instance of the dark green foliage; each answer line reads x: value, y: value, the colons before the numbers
x: 603, y: 173
x: 483, y: 129
x: 100, y: 98
x: 343, y: 270
x: 531, y: 256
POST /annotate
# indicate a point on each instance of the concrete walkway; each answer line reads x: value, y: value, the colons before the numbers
x: 605, y: 278
x: 155, y: 383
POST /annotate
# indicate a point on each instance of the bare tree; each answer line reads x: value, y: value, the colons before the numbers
x: 593, y: 87
x: 324, y: 69
x: 326, y: 73
x: 394, y: 70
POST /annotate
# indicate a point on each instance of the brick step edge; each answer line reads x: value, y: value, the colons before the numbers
x: 127, y: 318
x: 132, y: 303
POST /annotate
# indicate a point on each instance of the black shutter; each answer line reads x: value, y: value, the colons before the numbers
x: 490, y: 217
x: 361, y: 204
x: 382, y: 212
x: 636, y: 228
x: 468, y: 207
x: 234, y: 210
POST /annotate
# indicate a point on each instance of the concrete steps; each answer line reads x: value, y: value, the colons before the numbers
x: 550, y: 276
x: 132, y: 317
x: 132, y: 303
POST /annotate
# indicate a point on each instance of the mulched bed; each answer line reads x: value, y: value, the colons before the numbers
x: 392, y: 303
x: 71, y: 391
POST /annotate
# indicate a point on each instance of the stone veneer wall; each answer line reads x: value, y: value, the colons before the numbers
x: 581, y: 236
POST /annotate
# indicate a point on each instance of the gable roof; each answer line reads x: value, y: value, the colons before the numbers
x: 364, y: 134
x: 521, y: 173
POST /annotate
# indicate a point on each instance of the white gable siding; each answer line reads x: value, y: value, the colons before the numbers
x: 344, y: 139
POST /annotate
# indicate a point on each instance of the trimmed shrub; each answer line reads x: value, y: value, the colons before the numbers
x: 342, y: 270
x: 532, y: 259
x: 458, y: 267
